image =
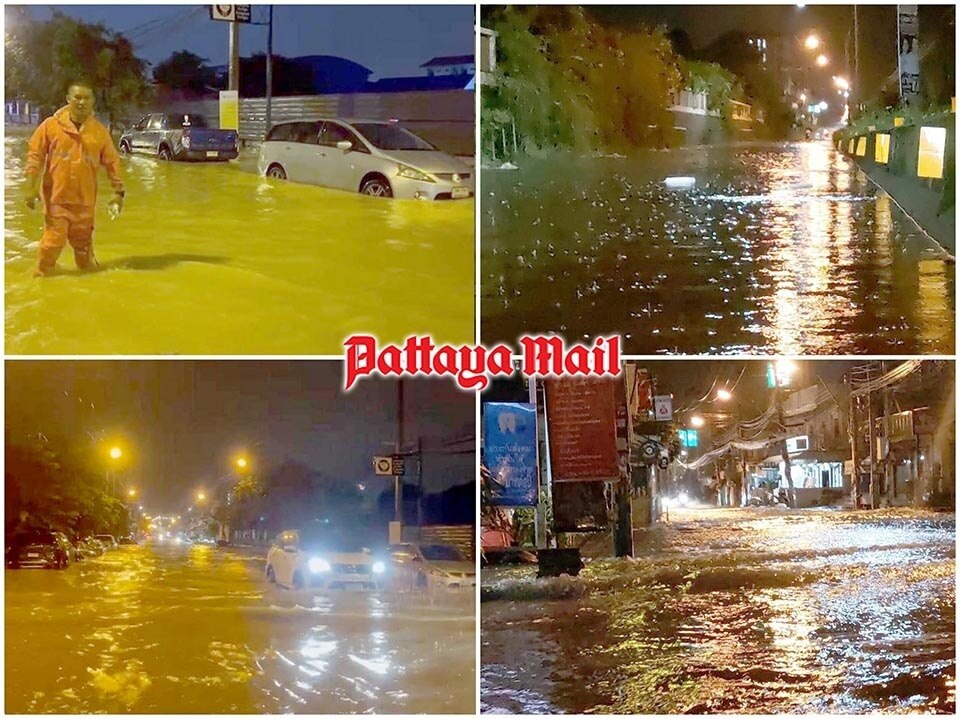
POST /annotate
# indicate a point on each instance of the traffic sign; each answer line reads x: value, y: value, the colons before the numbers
x: 230, y: 13
x: 386, y: 466
x: 663, y: 408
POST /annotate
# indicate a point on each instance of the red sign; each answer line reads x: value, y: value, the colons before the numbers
x: 643, y: 392
x: 582, y: 427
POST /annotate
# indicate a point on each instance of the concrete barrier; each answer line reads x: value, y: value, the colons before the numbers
x: 916, y: 166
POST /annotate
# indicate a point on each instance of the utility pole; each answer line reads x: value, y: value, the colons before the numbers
x: 419, y: 487
x: 889, y: 472
x: 873, y: 452
x: 784, y: 454
x: 269, y: 70
x: 398, y: 448
x: 234, y: 71
x: 623, y: 533
x: 856, y: 59
x: 854, y: 432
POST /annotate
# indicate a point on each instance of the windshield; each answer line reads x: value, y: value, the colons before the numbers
x: 441, y: 553
x: 329, y: 541
x: 186, y: 120
x: 391, y: 137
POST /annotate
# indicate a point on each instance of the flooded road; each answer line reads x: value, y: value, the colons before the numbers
x: 784, y: 249
x: 208, y: 259
x: 197, y: 630
x: 742, y: 611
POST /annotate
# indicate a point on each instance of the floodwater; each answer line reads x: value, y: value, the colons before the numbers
x: 778, y: 249
x: 209, y: 259
x: 198, y: 630
x: 755, y: 611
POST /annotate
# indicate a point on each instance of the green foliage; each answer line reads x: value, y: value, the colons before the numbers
x: 42, y: 59
x: 46, y: 487
x: 184, y: 70
x: 720, y: 85
x: 563, y: 80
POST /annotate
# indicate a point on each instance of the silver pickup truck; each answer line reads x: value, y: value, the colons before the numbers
x: 180, y: 136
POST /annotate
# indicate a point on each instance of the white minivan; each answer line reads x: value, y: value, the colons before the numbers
x: 372, y: 157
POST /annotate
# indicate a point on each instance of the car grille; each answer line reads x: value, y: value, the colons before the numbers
x: 448, y: 176
x: 351, y: 569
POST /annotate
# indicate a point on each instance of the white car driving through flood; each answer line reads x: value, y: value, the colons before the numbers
x: 371, y: 157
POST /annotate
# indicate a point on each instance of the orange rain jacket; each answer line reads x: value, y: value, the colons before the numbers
x: 70, y: 159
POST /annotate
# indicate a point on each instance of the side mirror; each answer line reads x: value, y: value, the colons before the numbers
x: 345, y: 145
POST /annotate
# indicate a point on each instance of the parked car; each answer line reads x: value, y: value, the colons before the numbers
x: 39, y: 548
x: 180, y: 136
x: 86, y: 547
x: 126, y: 539
x: 431, y: 566
x: 107, y: 540
x: 320, y: 558
x: 372, y: 157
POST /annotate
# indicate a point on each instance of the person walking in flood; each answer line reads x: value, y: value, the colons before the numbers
x: 67, y: 150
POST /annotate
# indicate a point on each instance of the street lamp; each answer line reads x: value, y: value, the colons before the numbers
x: 201, y: 496
x: 241, y: 462
x: 131, y: 493
x: 822, y: 61
x: 116, y: 453
x: 697, y: 421
x: 812, y: 42
x: 841, y: 83
x: 724, y: 395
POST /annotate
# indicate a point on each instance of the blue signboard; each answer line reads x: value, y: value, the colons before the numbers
x: 510, y: 452
x: 688, y: 438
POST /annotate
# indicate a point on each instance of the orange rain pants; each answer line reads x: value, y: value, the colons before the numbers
x: 70, y: 159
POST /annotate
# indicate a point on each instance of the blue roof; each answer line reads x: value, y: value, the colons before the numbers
x: 411, y: 84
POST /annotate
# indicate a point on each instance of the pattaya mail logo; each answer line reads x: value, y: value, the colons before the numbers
x: 473, y: 366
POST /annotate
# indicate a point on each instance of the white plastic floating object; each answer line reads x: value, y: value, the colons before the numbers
x: 680, y: 182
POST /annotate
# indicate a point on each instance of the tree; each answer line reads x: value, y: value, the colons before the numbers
x: 184, y: 70
x: 42, y: 59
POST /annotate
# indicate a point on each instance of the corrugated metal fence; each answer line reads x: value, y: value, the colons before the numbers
x: 445, y: 118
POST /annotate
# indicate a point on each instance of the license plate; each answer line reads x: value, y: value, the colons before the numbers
x: 32, y: 555
x: 459, y: 192
x: 212, y: 153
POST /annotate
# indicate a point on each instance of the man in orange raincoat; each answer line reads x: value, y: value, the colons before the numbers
x: 68, y: 149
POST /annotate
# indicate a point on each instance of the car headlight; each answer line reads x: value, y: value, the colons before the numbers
x: 379, y: 568
x: 413, y: 174
x: 318, y: 565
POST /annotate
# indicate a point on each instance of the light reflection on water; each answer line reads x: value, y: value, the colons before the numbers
x: 778, y: 249
x: 730, y: 612
x: 209, y: 259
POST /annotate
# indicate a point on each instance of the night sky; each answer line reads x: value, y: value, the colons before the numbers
x: 689, y: 380
x: 393, y: 41
x: 181, y: 423
x: 705, y: 23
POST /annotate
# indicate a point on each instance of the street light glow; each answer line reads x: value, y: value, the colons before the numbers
x: 201, y: 496
x: 131, y: 492
x: 812, y: 42
x: 724, y: 395
x: 697, y: 421
x: 115, y: 453
x: 242, y: 462
x: 822, y: 60
x: 841, y: 82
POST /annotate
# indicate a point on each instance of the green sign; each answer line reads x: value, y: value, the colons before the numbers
x: 688, y: 438
x: 771, y: 376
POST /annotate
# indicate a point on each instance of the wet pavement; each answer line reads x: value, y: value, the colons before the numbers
x: 778, y: 249
x: 755, y: 611
x: 197, y: 630
x: 209, y: 259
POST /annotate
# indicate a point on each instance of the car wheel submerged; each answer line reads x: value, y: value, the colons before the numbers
x: 124, y: 148
x: 276, y: 172
x: 164, y: 154
x: 376, y: 187
x: 271, y: 576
